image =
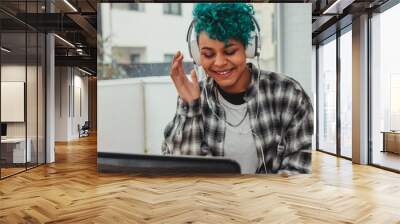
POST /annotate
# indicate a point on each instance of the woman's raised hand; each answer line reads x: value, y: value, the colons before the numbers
x: 187, y: 90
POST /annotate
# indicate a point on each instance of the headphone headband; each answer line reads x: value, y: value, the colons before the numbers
x: 252, y: 50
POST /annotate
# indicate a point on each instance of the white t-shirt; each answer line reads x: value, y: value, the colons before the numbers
x: 239, y: 142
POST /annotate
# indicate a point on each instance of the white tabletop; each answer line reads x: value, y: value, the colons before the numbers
x: 13, y: 140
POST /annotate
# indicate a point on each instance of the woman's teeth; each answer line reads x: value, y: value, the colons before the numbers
x: 226, y: 72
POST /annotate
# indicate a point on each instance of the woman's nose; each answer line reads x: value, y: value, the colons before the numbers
x: 220, y: 60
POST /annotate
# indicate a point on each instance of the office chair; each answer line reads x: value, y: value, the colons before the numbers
x: 84, y: 130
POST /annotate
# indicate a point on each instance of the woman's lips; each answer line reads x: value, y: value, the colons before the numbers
x: 224, y: 73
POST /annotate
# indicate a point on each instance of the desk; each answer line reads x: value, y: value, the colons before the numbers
x: 17, y: 150
x: 391, y: 141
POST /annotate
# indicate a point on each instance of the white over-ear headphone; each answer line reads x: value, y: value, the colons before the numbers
x: 253, y: 49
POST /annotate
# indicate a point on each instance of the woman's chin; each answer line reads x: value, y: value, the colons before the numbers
x: 224, y: 83
x: 231, y: 82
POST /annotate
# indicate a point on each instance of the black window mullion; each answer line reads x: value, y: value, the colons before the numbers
x: 0, y: 97
x: 45, y: 94
x: 73, y: 92
x: 338, y: 93
x: 37, y: 90
x: 26, y: 86
x: 317, y: 96
x: 369, y: 90
x: 44, y: 72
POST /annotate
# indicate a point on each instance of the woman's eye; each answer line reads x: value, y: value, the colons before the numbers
x: 208, y: 55
x: 230, y: 52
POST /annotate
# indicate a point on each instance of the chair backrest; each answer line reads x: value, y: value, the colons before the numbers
x: 86, y: 124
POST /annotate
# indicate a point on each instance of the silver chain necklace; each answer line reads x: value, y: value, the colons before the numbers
x: 229, y: 123
x: 240, y: 122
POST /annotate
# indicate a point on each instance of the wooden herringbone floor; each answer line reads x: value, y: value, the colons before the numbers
x: 71, y: 191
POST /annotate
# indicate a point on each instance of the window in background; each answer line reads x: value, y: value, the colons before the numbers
x: 134, y: 6
x: 129, y: 6
x: 128, y: 55
x: 172, y: 8
x: 168, y: 57
x: 346, y: 94
x: 327, y: 96
x: 135, y: 58
x: 394, y: 102
x: 385, y: 89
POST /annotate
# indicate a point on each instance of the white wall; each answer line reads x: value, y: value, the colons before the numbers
x: 160, y: 94
x: 296, y: 43
x: 120, y: 118
x: 61, y: 103
x: 66, y: 119
x: 79, y: 117
x: 129, y: 118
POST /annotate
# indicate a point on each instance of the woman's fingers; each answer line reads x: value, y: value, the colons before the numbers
x: 175, y: 70
x: 195, y: 83
x: 178, y: 71
x: 194, y: 76
x: 178, y: 76
x: 176, y: 64
x: 187, y: 90
x: 181, y: 71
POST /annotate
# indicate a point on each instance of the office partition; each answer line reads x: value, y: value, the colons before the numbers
x: 22, y: 77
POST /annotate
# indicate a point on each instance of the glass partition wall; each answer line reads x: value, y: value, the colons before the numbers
x: 334, y: 83
x: 327, y: 96
x: 385, y: 90
x: 334, y: 99
x: 22, y: 77
x: 346, y: 76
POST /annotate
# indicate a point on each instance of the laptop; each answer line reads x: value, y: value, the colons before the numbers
x: 164, y: 165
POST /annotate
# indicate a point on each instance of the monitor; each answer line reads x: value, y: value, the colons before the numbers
x: 3, y: 129
x: 164, y: 165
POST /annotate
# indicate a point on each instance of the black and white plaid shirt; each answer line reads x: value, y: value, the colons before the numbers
x: 282, y: 129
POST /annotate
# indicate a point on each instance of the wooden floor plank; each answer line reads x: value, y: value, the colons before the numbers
x: 71, y: 191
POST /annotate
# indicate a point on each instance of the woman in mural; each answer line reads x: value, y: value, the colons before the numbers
x: 261, y: 119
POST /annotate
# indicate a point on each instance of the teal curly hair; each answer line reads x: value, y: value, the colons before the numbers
x: 223, y: 21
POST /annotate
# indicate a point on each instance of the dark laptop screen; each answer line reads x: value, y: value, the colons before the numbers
x: 164, y: 165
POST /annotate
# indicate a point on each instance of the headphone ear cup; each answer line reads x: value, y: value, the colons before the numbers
x: 251, y: 50
x: 194, y: 51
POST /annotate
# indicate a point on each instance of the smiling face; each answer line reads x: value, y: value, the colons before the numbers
x: 226, y: 65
